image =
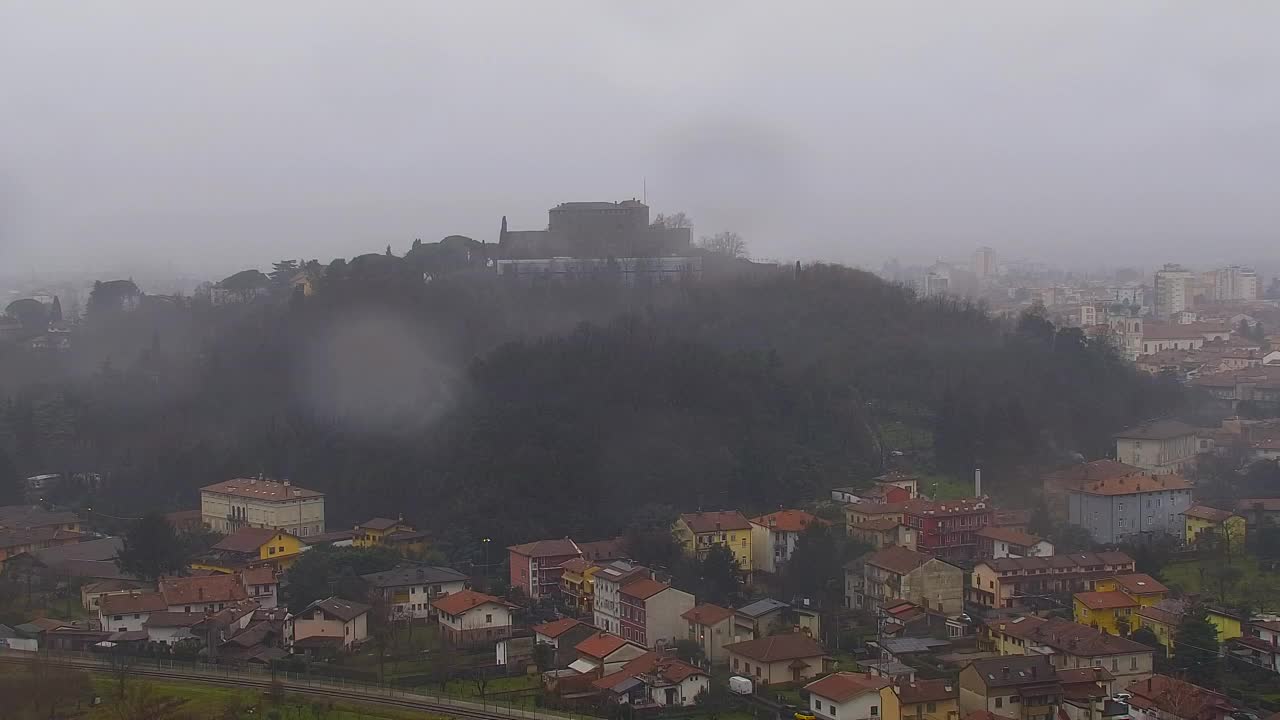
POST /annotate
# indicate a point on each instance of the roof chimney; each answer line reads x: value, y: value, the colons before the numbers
x: 286, y: 482
x: 1005, y: 671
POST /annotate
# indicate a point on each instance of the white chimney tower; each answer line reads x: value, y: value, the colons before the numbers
x: 977, y: 482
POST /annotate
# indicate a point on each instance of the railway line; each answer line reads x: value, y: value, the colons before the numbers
x: 386, y: 697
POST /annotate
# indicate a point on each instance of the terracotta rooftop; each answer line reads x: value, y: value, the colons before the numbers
x: 344, y: 610
x: 1013, y: 537
x: 707, y: 614
x: 132, y: 603
x: 601, y: 645
x: 880, y: 524
x: 789, y: 520
x: 1264, y: 504
x: 1065, y: 636
x: 1105, y: 600
x: 268, y: 490
x: 202, y: 590
x: 1204, y: 512
x: 379, y: 523
x: 777, y: 647
x: 245, y: 540
x: 460, y: 602
x: 643, y: 588
x: 1132, y: 484
x: 556, y: 628
x: 1011, y: 670
x: 1140, y: 584
x: 1157, y: 430
x: 919, y: 691
x: 706, y: 522
x: 261, y: 575
x: 601, y: 550
x: 547, y: 548
x: 1096, y: 470
x: 843, y: 686
x: 897, y: 559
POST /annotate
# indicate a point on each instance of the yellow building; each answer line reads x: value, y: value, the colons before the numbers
x: 578, y: 584
x: 1161, y: 621
x: 1144, y: 589
x: 1203, y: 522
x: 1107, y: 611
x: 861, y: 514
x: 248, y: 547
x: 390, y: 533
x: 699, y: 532
x: 1230, y: 625
x: 929, y: 699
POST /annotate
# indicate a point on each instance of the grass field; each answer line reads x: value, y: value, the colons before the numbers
x: 1200, y: 576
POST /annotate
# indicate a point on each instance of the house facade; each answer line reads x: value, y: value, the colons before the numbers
x: 206, y: 594
x: 1161, y: 447
x: 774, y: 536
x: 1021, y: 688
x: 333, y: 621
x: 699, y: 532
x: 1068, y: 646
x: 255, y: 502
x: 409, y: 591
x: 536, y: 567
x: 129, y: 612
x: 998, y: 542
x: 775, y: 659
x: 852, y: 695
x: 711, y: 626
x: 896, y: 573
x: 947, y: 530
x: 1127, y: 507
x: 469, y: 618
x: 606, y: 604
x: 650, y: 612
x: 1012, y: 582
x: 1202, y: 523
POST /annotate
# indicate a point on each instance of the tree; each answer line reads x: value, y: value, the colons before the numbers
x: 55, y: 310
x: 31, y: 313
x: 283, y: 271
x: 544, y: 656
x: 689, y: 650
x: 151, y: 549
x: 1147, y: 637
x: 727, y: 243
x: 326, y: 571
x: 718, y: 572
x: 1225, y: 578
x: 816, y: 567
x: 1195, y: 646
x: 674, y: 221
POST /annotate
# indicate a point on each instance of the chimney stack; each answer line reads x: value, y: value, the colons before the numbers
x: 977, y: 482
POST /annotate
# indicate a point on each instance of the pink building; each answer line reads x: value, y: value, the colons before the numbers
x: 535, y: 566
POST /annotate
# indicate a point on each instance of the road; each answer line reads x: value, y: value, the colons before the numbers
x: 293, y: 683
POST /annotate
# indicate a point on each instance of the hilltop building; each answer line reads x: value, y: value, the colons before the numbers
x: 256, y: 502
x: 595, y: 230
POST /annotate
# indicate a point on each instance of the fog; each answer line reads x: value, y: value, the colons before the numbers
x: 214, y: 136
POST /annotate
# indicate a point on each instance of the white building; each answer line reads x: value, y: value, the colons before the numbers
x: 1173, y: 290
x: 1235, y: 283
x: 852, y: 696
x: 470, y: 618
x: 606, y: 604
x: 254, y: 502
x: 410, y: 590
x: 129, y: 613
x: 333, y: 622
x: 774, y: 536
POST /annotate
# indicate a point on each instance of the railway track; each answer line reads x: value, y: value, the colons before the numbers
x: 405, y: 701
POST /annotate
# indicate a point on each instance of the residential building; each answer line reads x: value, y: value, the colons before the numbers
x: 1162, y: 619
x: 650, y: 612
x: 654, y: 680
x: 997, y: 542
x: 1162, y: 337
x: 603, y: 551
x: 699, y: 532
x: 1163, y: 447
x: 1161, y: 697
x: 606, y: 603
x: 983, y: 264
x: 774, y: 536
x: 852, y: 695
x: 1204, y: 523
x: 91, y: 593
x: 1056, y: 485
x: 1259, y: 512
x: 577, y: 584
x: 262, y: 585
x: 129, y: 613
x: 791, y: 657
x: 759, y: 618
x: 1259, y: 645
x: 201, y: 594
x: 386, y: 532
x: 711, y: 626
x: 1087, y: 694
x: 250, y: 546
x: 1172, y: 290
x: 329, y: 623
x: 1106, y: 611
x: 468, y: 618
x: 595, y: 230
x: 1068, y: 645
x: 171, y: 627
x: 536, y: 566
x: 1012, y: 582
x: 562, y: 635
x: 1024, y: 688
x: 1128, y: 507
x: 32, y: 517
x: 1144, y: 589
x: 896, y: 573
x: 949, y: 529
x: 255, y: 502
x: 929, y: 699
x: 865, y: 513
x: 604, y: 653
x: 409, y: 590
x: 1235, y: 283
x: 26, y: 540
x: 884, y: 532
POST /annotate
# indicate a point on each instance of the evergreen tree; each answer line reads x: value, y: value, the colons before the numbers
x: 1195, y: 647
x: 152, y: 549
x: 55, y: 310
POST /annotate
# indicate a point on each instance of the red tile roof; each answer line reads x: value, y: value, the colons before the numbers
x: 197, y: 590
x: 920, y: 691
x: 460, y: 602
x: 789, y: 520
x: 1157, y: 430
x: 1140, y: 584
x: 1013, y: 537
x: 556, y: 628
x: 777, y: 647
x: 1204, y: 512
x: 705, y: 522
x: 672, y: 670
x: 379, y: 523
x: 1132, y: 484
x: 843, y: 686
x: 707, y: 614
x: 897, y: 559
x: 601, y: 645
x: 1264, y: 504
x: 261, y: 575
x: 132, y: 603
x: 561, y: 547
x: 268, y: 490
x: 643, y: 588
x: 601, y: 550
x: 246, y: 540
x: 1105, y: 600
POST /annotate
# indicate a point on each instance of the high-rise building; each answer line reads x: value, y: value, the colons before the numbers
x: 984, y: 263
x: 1173, y: 290
x: 1235, y: 283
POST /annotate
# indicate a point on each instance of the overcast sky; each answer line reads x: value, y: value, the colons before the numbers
x: 222, y: 135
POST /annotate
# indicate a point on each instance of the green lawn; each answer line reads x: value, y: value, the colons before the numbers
x: 1252, y: 587
x: 207, y: 702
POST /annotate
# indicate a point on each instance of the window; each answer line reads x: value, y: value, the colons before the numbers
x: 875, y: 710
x: 1121, y: 522
x: 931, y: 707
x: 1013, y: 699
x: 833, y: 709
x: 999, y: 702
x: 117, y: 618
x: 1115, y: 665
x: 488, y: 618
x: 271, y: 551
x: 1133, y: 663
x: 1119, y: 507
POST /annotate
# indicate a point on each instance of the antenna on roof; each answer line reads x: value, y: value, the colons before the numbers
x: 644, y: 192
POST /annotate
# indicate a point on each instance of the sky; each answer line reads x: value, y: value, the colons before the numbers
x: 214, y: 136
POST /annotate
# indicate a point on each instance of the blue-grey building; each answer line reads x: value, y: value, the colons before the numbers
x: 1123, y: 508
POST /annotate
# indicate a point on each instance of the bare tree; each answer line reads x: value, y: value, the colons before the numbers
x: 481, y: 680
x: 726, y: 243
x: 674, y: 221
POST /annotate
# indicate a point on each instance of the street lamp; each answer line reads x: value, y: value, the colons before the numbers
x: 485, y: 543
